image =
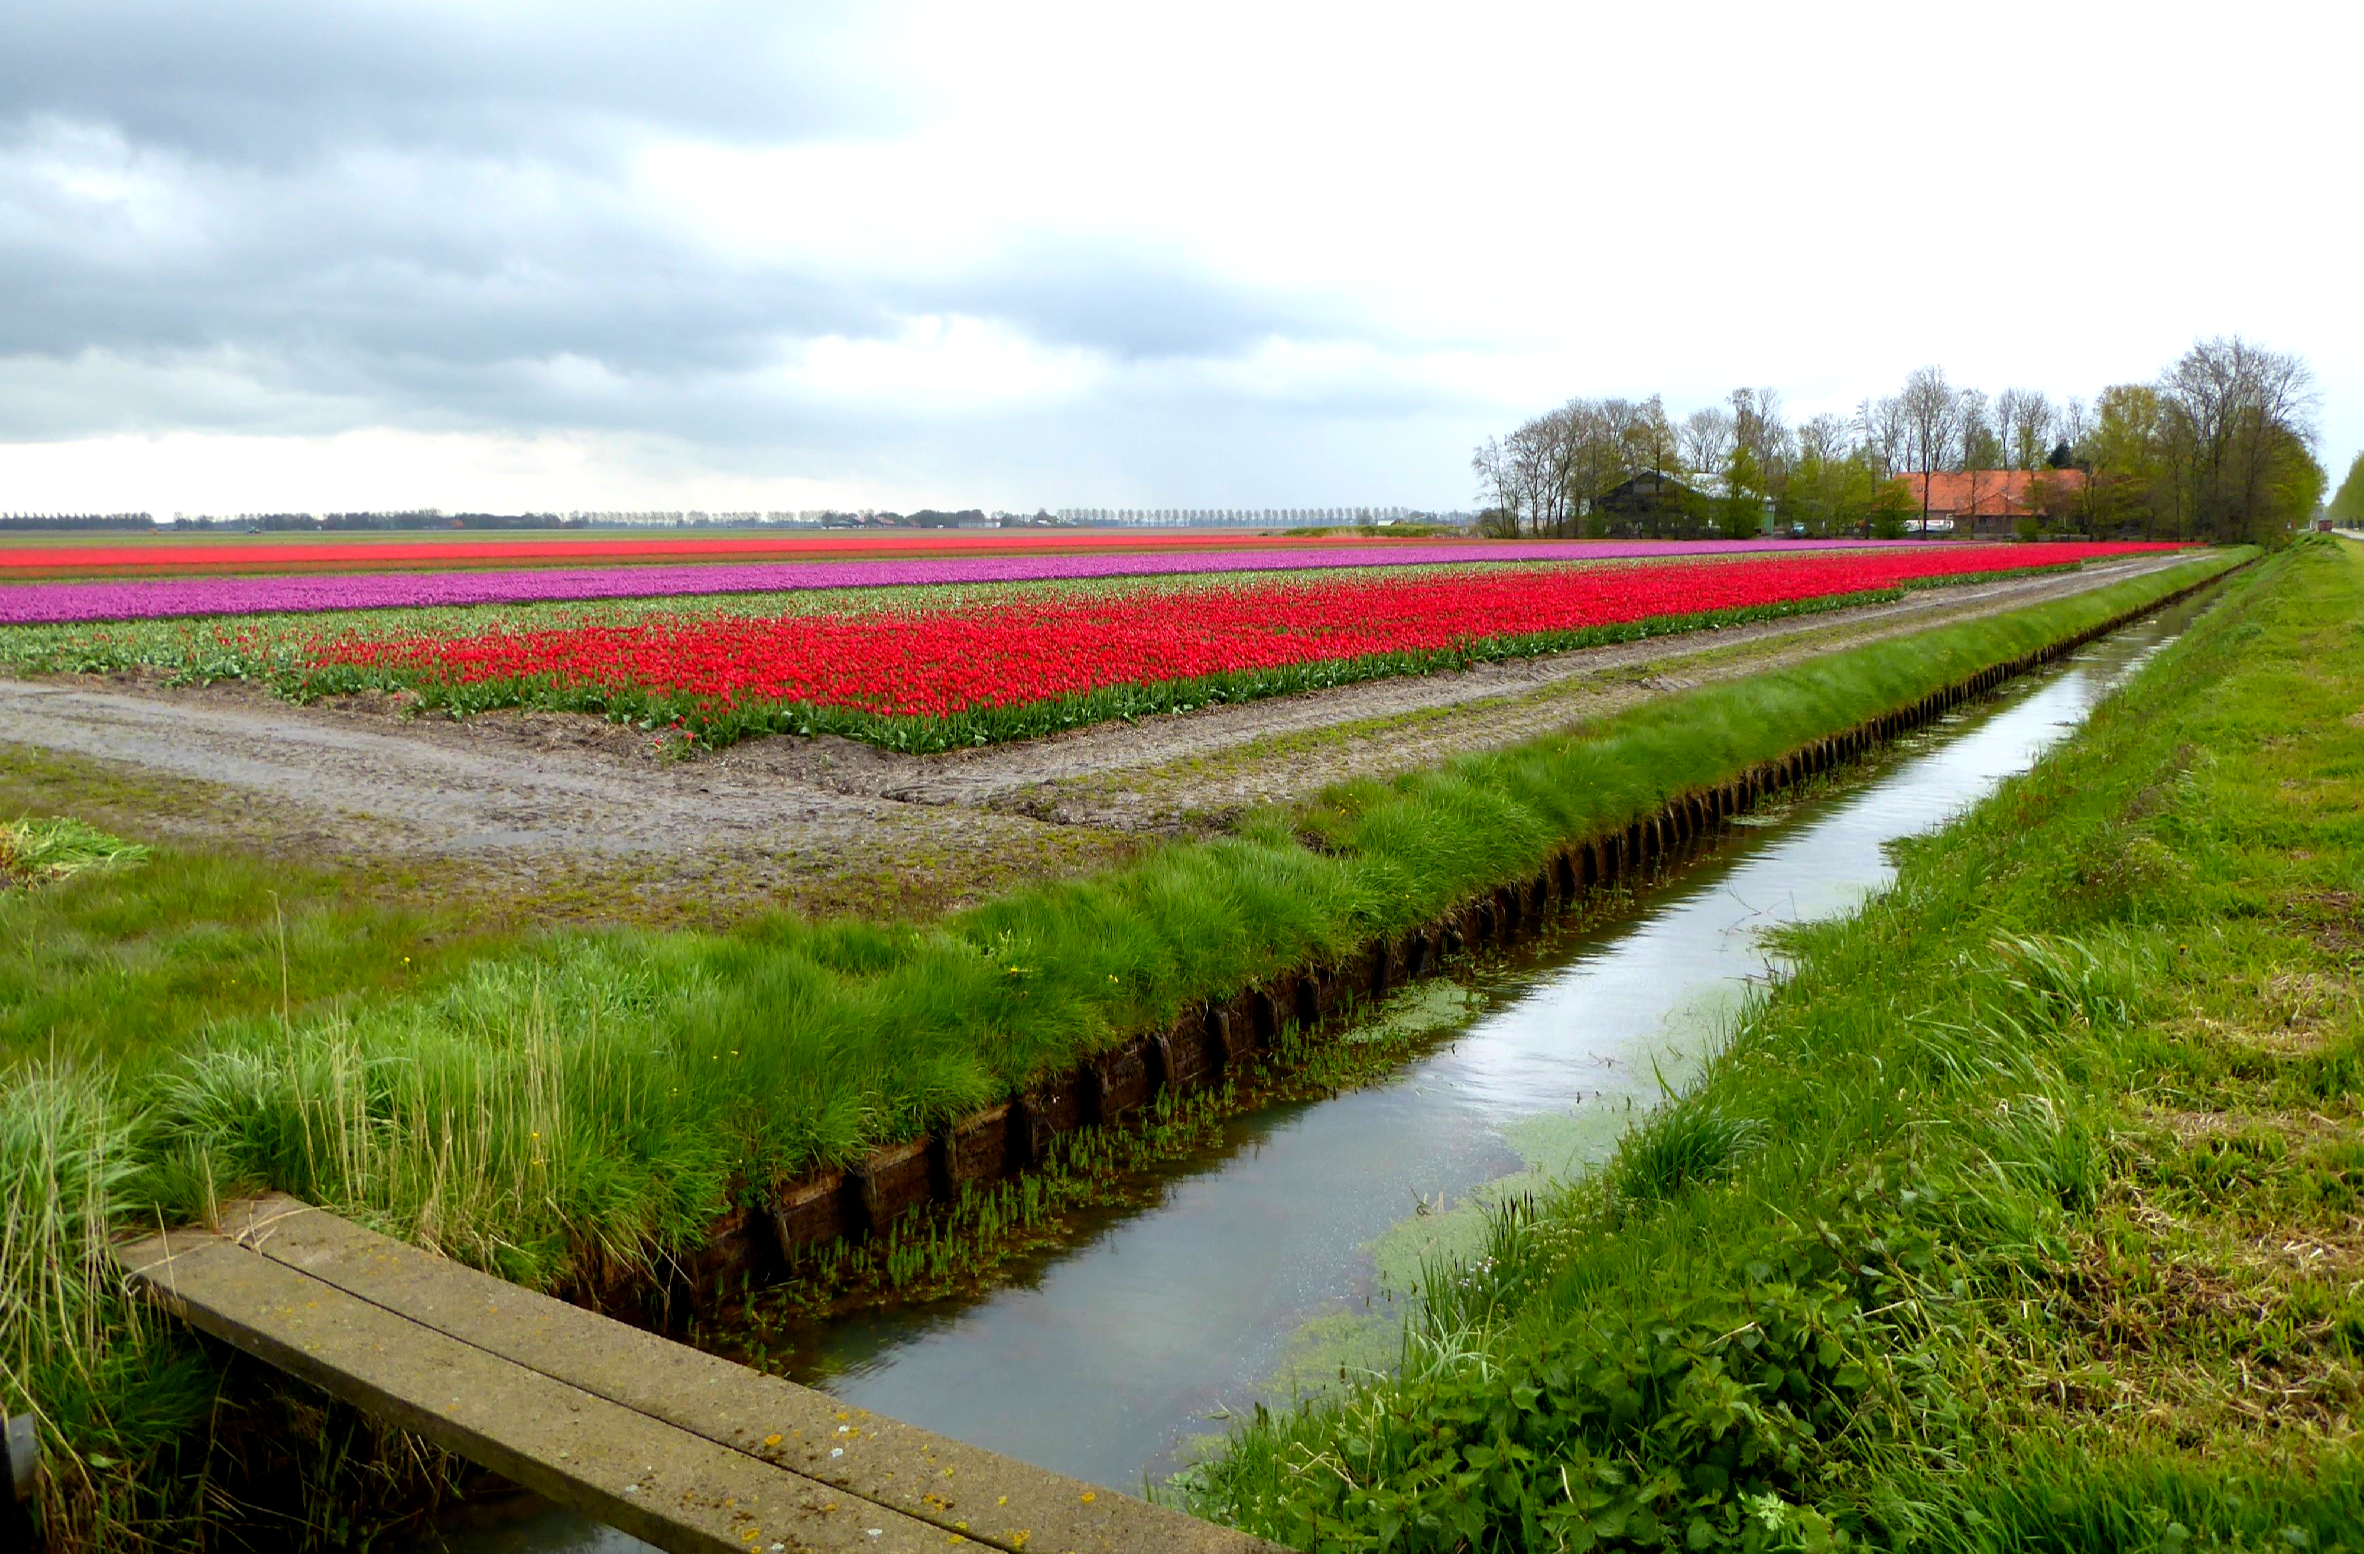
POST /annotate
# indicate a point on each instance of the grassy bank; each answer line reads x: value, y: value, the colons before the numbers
x: 2027, y: 1214
x: 594, y: 1100
x: 127, y: 964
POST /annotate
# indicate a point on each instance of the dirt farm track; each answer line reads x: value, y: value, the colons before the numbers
x: 592, y: 812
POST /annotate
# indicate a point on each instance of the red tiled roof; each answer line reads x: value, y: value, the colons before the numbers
x: 1989, y: 493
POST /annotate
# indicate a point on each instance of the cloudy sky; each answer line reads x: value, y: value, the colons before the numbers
x: 273, y: 255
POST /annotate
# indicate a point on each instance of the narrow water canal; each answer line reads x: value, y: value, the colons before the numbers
x: 1261, y: 1263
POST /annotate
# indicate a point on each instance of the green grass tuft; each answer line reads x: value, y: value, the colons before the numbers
x: 1682, y: 1147
x: 35, y: 851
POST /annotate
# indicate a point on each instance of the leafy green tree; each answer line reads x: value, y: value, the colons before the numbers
x: 2249, y: 411
x: 2052, y: 501
x: 2292, y: 487
x: 1856, y: 491
x: 2347, y: 506
x: 1740, y: 514
x: 1892, y: 508
x: 2125, y: 458
x: 1829, y: 493
x: 1806, y: 499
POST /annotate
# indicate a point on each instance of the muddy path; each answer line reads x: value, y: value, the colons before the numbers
x: 827, y: 822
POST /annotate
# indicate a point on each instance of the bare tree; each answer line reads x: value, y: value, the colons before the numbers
x: 1881, y: 424
x: 1932, y: 426
x: 2023, y: 425
x: 1526, y: 475
x: 1757, y: 427
x: 1498, y: 484
x: 1539, y: 455
x: 1822, y: 439
x: 1978, y: 449
x: 1707, y: 437
x: 2075, y: 423
x: 1976, y: 445
x: 2006, y: 413
x: 1580, y: 459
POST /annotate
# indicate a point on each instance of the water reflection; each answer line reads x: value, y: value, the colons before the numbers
x: 1102, y: 1358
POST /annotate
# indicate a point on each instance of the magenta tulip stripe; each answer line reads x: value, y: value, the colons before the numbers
x: 27, y: 604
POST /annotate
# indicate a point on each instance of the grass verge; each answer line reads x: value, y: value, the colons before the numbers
x: 593, y: 1100
x: 118, y: 966
x: 2028, y: 1213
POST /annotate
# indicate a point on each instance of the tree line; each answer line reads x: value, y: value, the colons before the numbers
x: 72, y: 523
x: 2220, y: 446
x: 2347, y: 503
x: 1234, y: 517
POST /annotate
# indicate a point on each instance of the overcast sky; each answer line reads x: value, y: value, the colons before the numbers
x: 302, y: 256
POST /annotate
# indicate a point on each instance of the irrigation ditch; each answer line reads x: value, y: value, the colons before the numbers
x: 1266, y: 1238
x: 1223, y: 1051
x: 1215, y: 1058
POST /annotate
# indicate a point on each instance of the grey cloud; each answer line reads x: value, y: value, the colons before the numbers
x: 277, y: 82
x: 405, y: 216
x: 321, y: 262
x: 1132, y: 303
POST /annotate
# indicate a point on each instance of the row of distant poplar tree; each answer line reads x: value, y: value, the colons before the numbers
x: 2219, y: 446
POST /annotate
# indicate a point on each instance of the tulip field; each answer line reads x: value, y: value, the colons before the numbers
x: 178, y: 555
x: 927, y: 654
x: 631, y: 570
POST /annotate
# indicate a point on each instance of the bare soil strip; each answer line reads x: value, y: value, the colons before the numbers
x: 811, y: 820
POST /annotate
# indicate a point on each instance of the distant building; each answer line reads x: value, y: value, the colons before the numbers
x: 1653, y: 490
x: 1989, y: 503
x: 1658, y: 497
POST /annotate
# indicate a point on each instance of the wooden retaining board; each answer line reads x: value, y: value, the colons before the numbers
x: 681, y: 1449
x: 816, y: 1211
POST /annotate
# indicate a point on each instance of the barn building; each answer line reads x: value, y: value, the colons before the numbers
x: 1989, y: 503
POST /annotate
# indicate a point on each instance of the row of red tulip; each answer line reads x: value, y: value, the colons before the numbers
x: 938, y: 664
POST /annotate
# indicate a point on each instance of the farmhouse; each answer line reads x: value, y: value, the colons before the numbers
x: 1655, y: 495
x: 1984, y: 502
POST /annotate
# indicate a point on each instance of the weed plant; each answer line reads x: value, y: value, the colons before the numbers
x: 2027, y: 1213
x: 44, y: 851
x: 589, y: 1103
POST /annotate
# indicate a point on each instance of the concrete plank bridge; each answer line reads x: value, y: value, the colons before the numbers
x: 679, y: 1448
